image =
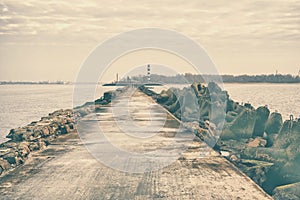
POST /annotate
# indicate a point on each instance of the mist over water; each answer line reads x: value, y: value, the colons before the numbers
x: 22, y: 104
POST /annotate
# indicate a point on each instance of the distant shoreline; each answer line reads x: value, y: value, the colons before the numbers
x: 29, y: 83
x: 186, y: 78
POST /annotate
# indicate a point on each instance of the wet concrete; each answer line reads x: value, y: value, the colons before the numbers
x: 149, y: 140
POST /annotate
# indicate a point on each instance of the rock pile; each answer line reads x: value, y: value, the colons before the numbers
x: 33, y: 137
x: 261, y: 144
x: 37, y: 135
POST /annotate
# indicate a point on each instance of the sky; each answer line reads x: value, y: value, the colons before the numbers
x: 49, y: 40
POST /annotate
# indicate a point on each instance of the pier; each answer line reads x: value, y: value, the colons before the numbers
x: 67, y: 170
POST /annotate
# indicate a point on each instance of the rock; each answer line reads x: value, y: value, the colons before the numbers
x: 241, y: 127
x: 234, y: 158
x: 249, y: 106
x: 27, y: 136
x: 230, y: 116
x: 11, y: 158
x: 16, y: 134
x: 23, y: 149
x: 189, y: 107
x: 45, y: 131
x: 163, y: 97
x: 37, y: 134
x: 232, y: 106
x: 9, y: 144
x: 34, y: 146
x: 172, y: 98
x: 274, y: 123
x: 41, y: 144
x: 257, y: 142
x: 270, y: 139
x: 205, y: 108
x: 65, y: 129
x: 4, y: 164
x: 256, y: 169
x: 175, y: 106
x: 290, y: 191
x: 289, y: 133
x: 262, y: 114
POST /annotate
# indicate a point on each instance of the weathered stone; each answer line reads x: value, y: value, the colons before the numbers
x: 9, y: 144
x: 290, y: 191
x: 163, y: 97
x: 249, y: 106
x: 45, y: 131
x: 256, y: 169
x: 262, y: 114
x: 257, y: 142
x: 37, y: 134
x: 274, y: 123
x: 4, y: 165
x: 34, y: 146
x: 270, y: 139
x: 241, y: 127
x: 41, y: 144
x: 23, y: 149
x: 16, y: 134
x: 190, y: 107
x: 205, y: 109
x: 64, y: 129
x: 171, y: 92
x: 289, y: 133
x: 234, y: 158
x: 27, y: 136
x: 230, y: 116
x: 11, y: 158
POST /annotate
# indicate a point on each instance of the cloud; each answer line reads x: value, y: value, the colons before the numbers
x: 215, y: 21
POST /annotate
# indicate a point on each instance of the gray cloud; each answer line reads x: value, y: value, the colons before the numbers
x: 232, y: 30
x: 247, y: 20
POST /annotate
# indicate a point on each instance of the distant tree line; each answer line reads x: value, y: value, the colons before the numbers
x: 33, y: 83
x: 190, y: 78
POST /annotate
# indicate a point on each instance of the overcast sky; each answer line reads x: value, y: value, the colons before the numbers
x: 49, y: 40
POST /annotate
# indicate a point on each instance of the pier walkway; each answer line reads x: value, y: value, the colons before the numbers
x: 67, y: 170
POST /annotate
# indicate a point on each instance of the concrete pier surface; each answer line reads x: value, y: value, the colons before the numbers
x: 74, y: 168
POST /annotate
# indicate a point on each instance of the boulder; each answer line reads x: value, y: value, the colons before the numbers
x: 271, y: 138
x: 16, y: 134
x: 11, y: 157
x: 289, y: 133
x: 34, y: 146
x: 23, y: 149
x: 262, y: 114
x: 163, y: 97
x: 189, y: 107
x: 274, y: 123
x: 205, y: 109
x: 257, y: 142
x: 241, y: 127
x: 64, y: 129
x: 45, y: 131
x: 4, y: 165
x: 290, y: 191
x: 230, y: 116
x: 27, y: 136
x: 171, y: 92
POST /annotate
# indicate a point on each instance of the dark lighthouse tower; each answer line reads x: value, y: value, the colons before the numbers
x: 148, y: 73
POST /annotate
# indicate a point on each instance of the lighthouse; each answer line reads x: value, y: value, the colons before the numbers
x: 148, y: 73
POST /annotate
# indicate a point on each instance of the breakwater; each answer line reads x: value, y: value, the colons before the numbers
x: 66, y: 169
x: 260, y: 143
x: 33, y: 137
x: 39, y: 134
x: 255, y: 140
